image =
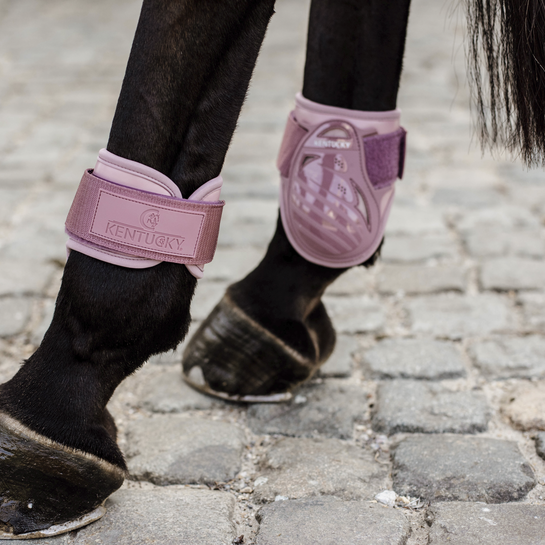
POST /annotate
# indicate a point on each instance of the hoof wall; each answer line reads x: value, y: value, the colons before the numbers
x: 234, y: 358
x: 46, y: 487
x: 58, y: 529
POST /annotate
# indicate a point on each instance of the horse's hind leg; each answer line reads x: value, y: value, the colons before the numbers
x: 186, y: 80
x: 271, y: 330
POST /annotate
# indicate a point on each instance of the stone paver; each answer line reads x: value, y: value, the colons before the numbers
x: 407, y: 249
x: 164, y: 516
x: 232, y: 264
x: 509, y: 273
x: 329, y: 521
x: 298, y: 468
x: 491, y: 243
x: 207, y: 296
x: 456, y: 316
x: 166, y: 392
x: 412, y: 279
x: 511, y: 357
x: 456, y: 197
x: 416, y: 406
x: 415, y: 221
x: 355, y: 314
x: 180, y: 450
x: 414, y: 358
x: 540, y: 444
x: 357, y: 280
x: 341, y: 361
x: 14, y: 314
x: 526, y: 406
x: 459, y: 523
x: 533, y: 309
x: 23, y: 277
x: 39, y: 236
x: 497, y: 217
x: 466, y: 468
x: 328, y: 409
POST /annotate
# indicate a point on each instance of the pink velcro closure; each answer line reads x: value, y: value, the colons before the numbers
x: 143, y: 224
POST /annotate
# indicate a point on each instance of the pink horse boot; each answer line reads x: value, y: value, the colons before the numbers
x: 338, y: 169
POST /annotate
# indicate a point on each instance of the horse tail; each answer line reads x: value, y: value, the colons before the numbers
x: 506, y: 62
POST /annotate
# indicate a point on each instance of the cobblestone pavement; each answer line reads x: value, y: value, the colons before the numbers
x: 437, y: 387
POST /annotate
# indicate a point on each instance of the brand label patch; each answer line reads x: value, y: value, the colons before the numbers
x: 159, y: 229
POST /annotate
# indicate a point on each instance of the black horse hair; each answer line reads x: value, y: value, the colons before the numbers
x: 506, y: 67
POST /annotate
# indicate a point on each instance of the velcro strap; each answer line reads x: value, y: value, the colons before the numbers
x: 385, y: 157
x: 384, y: 153
x: 144, y: 224
x: 293, y: 134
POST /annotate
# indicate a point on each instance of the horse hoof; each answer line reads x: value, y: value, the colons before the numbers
x: 58, y: 529
x: 234, y: 358
x: 46, y: 488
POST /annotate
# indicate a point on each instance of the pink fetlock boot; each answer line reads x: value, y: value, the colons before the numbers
x: 133, y: 216
x: 338, y: 170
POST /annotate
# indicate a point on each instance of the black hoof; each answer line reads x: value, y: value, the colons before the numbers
x: 45, y: 485
x: 233, y: 357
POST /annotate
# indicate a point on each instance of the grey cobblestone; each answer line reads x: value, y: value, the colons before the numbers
x: 328, y: 520
x: 329, y: 409
x: 511, y: 357
x: 179, y: 450
x: 298, y: 468
x: 23, y: 277
x: 357, y: 280
x: 232, y: 264
x: 508, y: 273
x: 38, y: 234
x: 355, y: 314
x: 466, y: 468
x: 540, y: 444
x: 533, y: 309
x: 415, y: 221
x: 416, y: 406
x: 491, y: 243
x: 460, y: 523
x: 207, y: 295
x: 408, y: 249
x: 142, y: 517
x: 14, y: 315
x: 464, y: 199
x: 341, y: 361
x: 166, y: 392
x: 414, y: 358
x: 499, y: 218
x: 456, y: 316
x: 414, y: 279
x: 525, y: 406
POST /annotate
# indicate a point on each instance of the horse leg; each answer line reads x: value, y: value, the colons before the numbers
x: 186, y: 79
x: 271, y: 331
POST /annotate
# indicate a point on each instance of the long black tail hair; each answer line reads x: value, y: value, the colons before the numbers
x: 506, y: 60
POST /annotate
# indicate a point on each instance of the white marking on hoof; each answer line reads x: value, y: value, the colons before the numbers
x: 59, y: 528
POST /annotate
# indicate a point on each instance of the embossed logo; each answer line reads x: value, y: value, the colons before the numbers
x: 335, y: 144
x: 150, y: 219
